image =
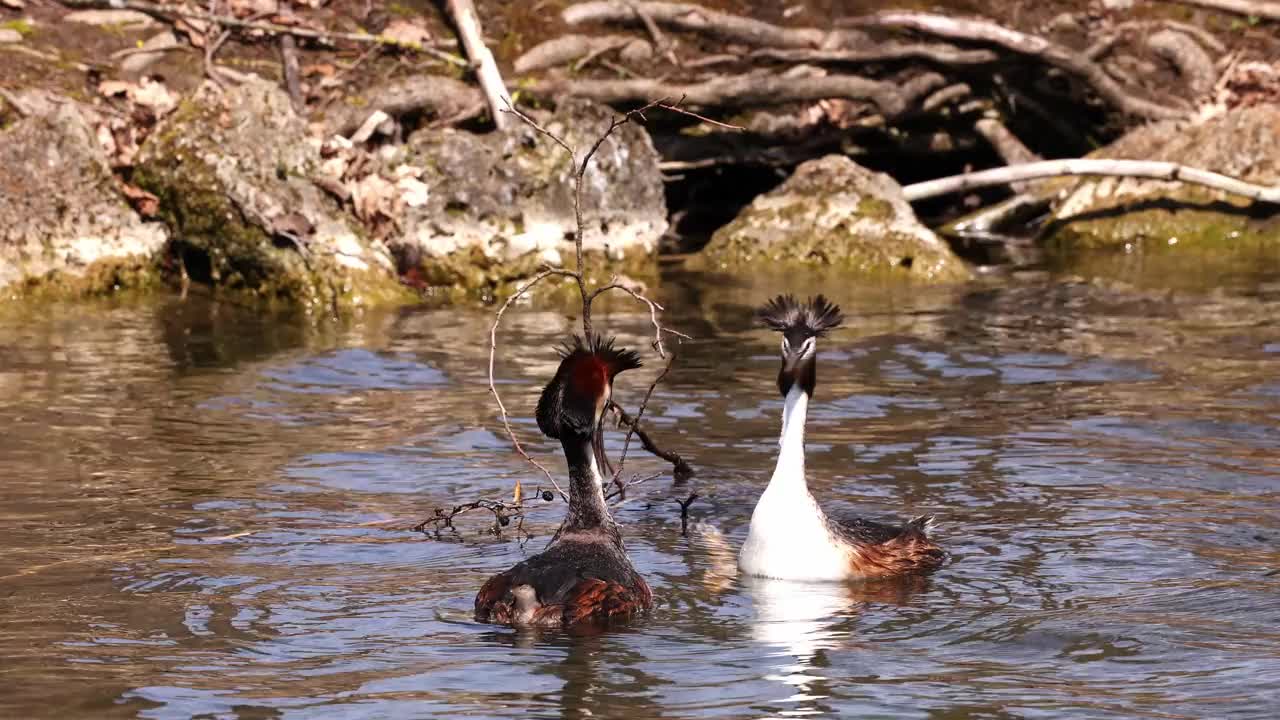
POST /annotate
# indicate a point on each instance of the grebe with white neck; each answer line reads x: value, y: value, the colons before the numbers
x: 791, y: 537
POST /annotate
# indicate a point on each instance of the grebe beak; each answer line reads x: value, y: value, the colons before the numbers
x: 597, y: 449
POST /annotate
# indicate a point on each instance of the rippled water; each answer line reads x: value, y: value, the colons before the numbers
x: 207, y: 513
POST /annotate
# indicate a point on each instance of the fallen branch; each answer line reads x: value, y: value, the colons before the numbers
x: 443, y: 96
x: 736, y: 91
x: 1006, y: 144
x: 168, y: 13
x: 984, y: 31
x: 567, y: 48
x: 940, y: 54
x: 1151, y: 169
x: 1252, y: 8
x: 467, y: 22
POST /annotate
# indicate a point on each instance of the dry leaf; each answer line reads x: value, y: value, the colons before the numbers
x: 145, y: 203
x: 153, y: 94
x: 404, y: 32
x: 372, y: 197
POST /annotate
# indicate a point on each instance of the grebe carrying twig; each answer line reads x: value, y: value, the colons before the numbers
x: 584, y: 575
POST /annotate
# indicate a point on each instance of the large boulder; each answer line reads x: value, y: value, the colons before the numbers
x: 233, y: 174
x: 500, y: 204
x: 64, y: 226
x: 1154, y: 216
x: 834, y: 213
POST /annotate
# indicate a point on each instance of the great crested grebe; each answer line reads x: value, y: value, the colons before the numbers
x: 584, y: 575
x: 791, y: 537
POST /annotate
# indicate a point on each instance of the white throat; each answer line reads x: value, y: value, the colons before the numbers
x: 790, y: 467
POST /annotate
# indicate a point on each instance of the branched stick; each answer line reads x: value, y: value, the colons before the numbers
x: 1152, y: 169
x: 579, y: 168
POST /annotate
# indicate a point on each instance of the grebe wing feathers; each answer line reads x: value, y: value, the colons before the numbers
x: 867, y: 532
x: 572, y: 582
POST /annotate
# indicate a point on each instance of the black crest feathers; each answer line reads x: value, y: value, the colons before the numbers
x: 575, y: 394
x: 813, y: 318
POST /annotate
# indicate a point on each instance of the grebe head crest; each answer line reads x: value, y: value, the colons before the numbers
x: 573, y: 402
x: 801, y: 324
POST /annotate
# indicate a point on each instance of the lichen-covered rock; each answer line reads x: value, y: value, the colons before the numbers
x: 1154, y: 215
x: 64, y: 227
x: 501, y: 204
x: 232, y: 174
x: 833, y: 212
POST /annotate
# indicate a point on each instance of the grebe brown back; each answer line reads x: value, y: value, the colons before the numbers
x: 790, y: 536
x: 584, y: 575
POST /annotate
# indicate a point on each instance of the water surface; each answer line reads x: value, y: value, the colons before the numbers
x: 208, y: 514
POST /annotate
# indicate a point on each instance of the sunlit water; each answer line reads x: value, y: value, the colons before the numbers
x: 205, y: 513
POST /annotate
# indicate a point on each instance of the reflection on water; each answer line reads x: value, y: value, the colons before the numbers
x: 206, y: 513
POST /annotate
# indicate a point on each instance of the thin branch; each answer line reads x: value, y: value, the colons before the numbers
x: 1152, y: 169
x: 732, y: 90
x: 631, y: 429
x: 168, y: 13
x: 682, y: 470
x: 493, y: 388
x: 292, y: 79
x: 495, y: 91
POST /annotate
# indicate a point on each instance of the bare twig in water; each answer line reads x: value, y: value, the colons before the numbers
x: 503, y: 513
x: 684, y: 512
x: 681, y: 469
x: 631, y: 427
x: 579, y: 168
x: 1152, y: 169
x: 493, y: 388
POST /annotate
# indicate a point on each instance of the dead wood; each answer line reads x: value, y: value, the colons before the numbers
x: 1151, y: 169
x: 984, y: 31
x: 566, y: 49
x: 442, y: 96
x: 467, y: 23
x: 292, y: 75
x: 936, y: 53
x: 1185, y: 54
x: 742, y: 90
x: 1006, y: 144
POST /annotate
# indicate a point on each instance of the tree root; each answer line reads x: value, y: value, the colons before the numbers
x: 757, y: 89
x: 983, y: 31
x: 719, y: 25
x: 566, y: 49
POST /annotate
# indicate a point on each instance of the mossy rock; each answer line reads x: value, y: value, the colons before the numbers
x: 65, y: 230
x: 833, y: 213
x: 231, y: 172
x: 501, y: 204
x: 1140, y: 217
